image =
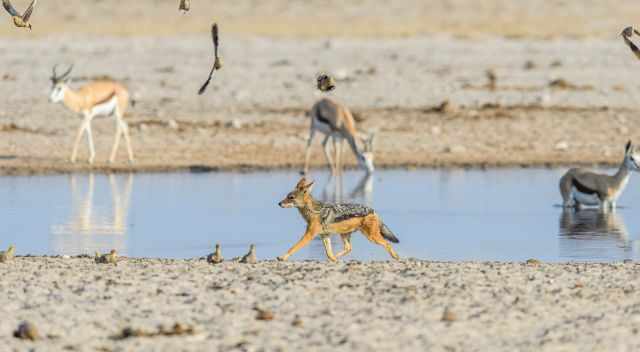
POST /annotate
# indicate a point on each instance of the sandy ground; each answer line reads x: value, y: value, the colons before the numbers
x: 78, y: 305
x: 321, y: 18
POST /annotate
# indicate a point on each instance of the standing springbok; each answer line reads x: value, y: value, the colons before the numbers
x: 580, y: 187
x: 97, y: 98
x: 335, y: 121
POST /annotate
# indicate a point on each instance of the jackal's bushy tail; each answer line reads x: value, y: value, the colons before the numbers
x: 387, y: 234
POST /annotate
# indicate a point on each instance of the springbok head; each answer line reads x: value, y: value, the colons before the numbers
x: 367, y: 153
x: 631, y: 157
x: 59, y: 84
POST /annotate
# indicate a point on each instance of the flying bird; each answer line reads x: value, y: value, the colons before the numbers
x: 185, y: 5
x: 217, y: 64
x: 626, y: 34
x: 18, y: 19
x: 326, y: 83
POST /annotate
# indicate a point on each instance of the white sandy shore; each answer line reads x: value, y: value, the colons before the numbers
x: 79, y: 305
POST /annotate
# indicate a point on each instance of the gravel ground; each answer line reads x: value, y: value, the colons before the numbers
x: 409, y: 305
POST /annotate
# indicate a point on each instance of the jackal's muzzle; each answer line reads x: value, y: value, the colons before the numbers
x: 285, y: 204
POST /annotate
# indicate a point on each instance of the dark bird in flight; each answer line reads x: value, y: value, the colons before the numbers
x: 18, y: 19
x: 626, y: 34
x: 184, y: 6
x: 326, y: 83
x: 217, y: 64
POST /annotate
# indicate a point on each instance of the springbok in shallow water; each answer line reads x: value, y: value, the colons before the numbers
x: 335, y: 121
x: 580, y: 187
x: 97, y: 98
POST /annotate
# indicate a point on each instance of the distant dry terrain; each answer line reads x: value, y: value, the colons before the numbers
x: 324, y: 18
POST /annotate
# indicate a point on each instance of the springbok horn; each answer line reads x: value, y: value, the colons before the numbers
x: 64, y: 75
x: 54, y: 76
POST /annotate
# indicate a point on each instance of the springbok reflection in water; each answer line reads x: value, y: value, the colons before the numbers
x: 593, y: 233
x: 333, y: 192
x: 362, y: 192
x: 94, y: 223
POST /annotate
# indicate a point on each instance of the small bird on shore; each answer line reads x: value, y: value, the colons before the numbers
x: 217, y: 63
x: 109, y: 258
x: 250, y: 258
x: 20, y: 20
x: 263, y: 314
x: 626, y: 35
x: 7, y: 255
x: 326, y: 83
x: 26, y: 331
x: 216, y: 256
x: 184, y: 6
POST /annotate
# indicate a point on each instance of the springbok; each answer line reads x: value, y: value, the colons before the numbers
x: 580, y: 187
x: 97, y: 98
x: 335, y: 121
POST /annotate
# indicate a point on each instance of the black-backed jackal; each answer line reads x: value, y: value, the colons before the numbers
x: 325, y: 219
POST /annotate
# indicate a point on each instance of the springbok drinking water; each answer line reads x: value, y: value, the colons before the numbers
x: 582, y: 187
x: 335, y: 121
x: 97, y: 98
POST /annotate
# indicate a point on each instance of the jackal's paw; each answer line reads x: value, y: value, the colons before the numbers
x: 282, y: 258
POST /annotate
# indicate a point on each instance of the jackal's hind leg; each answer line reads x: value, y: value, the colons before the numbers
x: 346, y: 244
x: 371, y: 230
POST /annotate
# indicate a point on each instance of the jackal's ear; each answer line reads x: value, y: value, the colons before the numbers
x: 308, y: 186
x: 301, y: 184
x: 627, y: 148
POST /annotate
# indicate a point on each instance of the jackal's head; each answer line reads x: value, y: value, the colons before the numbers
x: 631, y: 157
x: 297, y: 197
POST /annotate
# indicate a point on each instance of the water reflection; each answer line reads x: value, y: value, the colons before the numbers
x: 95, y: 221
x: 362, y: 192
x: 438, y: 215
x: 333, y: 192
x: 592, y: 233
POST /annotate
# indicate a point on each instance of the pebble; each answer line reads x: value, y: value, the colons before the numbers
x: 448, y: 315
x: 561, y: 146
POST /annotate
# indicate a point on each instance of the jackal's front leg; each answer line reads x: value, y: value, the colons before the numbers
x: 308, y: 236
x: 326, y: 241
